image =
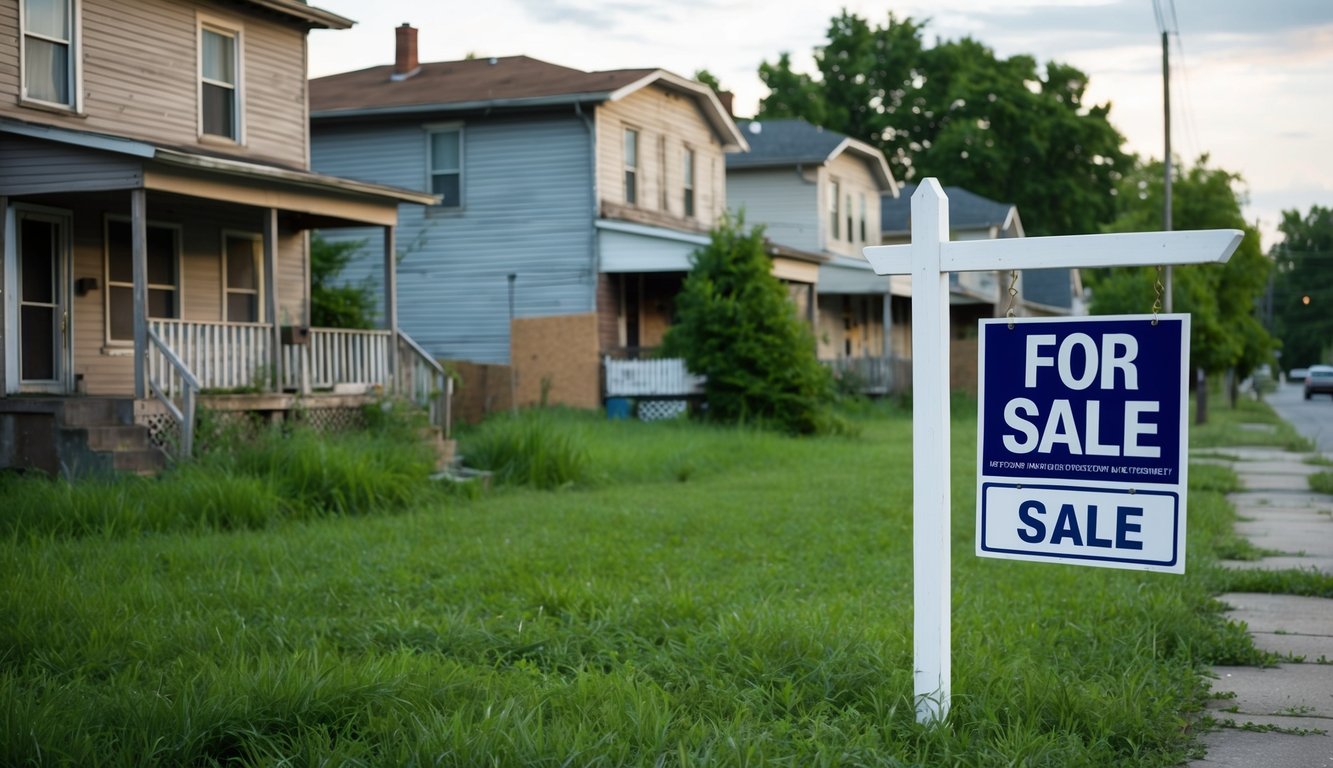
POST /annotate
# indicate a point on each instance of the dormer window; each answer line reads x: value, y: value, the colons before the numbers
x: 219, y: 82
x: 50, y: 61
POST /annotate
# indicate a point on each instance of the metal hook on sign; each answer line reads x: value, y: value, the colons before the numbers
x: 1013, y: 294
x: 1157, y: 300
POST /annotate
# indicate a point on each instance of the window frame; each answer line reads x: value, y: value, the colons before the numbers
x: 235, y: 31
x: 864, y: 230
x: 431, y: 131
x: 259, y: 291
x: 177, y: 241
x: 689, y: 181
x: 835, y: 210
x: 74, y: 78
x: 631, y: 186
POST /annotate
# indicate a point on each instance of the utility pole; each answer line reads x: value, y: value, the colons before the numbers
x: 1166, y: 164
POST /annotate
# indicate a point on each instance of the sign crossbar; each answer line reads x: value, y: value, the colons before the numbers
x: 929, y: 259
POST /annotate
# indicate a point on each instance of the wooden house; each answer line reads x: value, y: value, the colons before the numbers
x: 817, y: 192
x: 157, y: 197
x: 562, y: 193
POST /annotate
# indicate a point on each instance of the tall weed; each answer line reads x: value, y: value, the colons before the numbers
x: 532, y: 448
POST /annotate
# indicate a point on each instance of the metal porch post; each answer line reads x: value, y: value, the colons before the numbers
x: 391, y: 304
x: 4, y: 342
x: 139, y: 262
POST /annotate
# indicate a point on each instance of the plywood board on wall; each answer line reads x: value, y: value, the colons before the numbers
x: 556, y: 360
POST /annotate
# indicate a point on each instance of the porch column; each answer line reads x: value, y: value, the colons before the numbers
x: 4, y: 342
x: 391, y: 304
x: 139, y: 270
x: 888, y: 325
x: 271, y: 295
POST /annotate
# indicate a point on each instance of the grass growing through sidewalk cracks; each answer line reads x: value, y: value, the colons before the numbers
x: 709, y: 597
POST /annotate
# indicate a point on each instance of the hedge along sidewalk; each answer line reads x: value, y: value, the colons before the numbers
x: 1279, y: 716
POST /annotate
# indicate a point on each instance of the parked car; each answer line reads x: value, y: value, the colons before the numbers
x: 1297, y: 374
x: 1319, y: 381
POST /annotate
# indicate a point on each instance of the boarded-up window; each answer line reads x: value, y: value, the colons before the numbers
x: 446, y: 166
x: 220, y: 83
x: 163, y: 277
x: 49, y: 59
x: 241, y: 254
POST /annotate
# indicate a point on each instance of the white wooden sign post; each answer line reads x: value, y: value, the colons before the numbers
x: 929, y: 259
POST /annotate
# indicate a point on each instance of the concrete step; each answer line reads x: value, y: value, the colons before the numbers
x: 122, y: 437
x: 149, y: 461
x: 97, y: 412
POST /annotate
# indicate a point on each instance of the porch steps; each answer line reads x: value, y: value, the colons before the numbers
x: 106, y: 428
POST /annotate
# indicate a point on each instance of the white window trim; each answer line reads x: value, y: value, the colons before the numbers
x: 179, y: 287
x: 430, y: 131
x: 259, y: 291
x: 233, y: 29
x: 75, y: 62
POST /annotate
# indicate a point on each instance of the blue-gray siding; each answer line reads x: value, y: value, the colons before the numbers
x: 29, y: 167
x: 782, y: 200
x: 527, y: 210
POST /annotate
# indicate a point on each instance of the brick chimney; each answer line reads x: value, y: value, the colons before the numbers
x: 405, y: 62
x: 727, y: 97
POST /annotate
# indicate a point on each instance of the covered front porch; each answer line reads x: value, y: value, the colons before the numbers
x: 145, y: 273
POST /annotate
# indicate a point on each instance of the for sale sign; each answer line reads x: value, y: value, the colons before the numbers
x: 1082, y: 440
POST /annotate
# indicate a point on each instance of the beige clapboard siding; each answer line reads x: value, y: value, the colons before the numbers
x: 667, y: 123
x: 109, y: 371
x: 140, y: 76
x: 856, y: 179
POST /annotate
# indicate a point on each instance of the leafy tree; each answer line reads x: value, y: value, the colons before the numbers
x: 998, y: 127
x: 1221, y: 298
x: 335, y: 304
x: 1303, y: 287
x: 736, y: 326
x: 709, y: 79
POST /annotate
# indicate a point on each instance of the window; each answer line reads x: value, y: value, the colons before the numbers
x: 446, y: 165
x: 241, y: 255
x: 863, y: 217
x: 219, y: 82
x: 163, y: 277
x: 835, y: 215
x: 689, y: 182
x: 851, y: 233
x: 50, y: 62
x: 631, y: 166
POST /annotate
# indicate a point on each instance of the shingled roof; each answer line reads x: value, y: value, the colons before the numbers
x: 796, y: 142
x: 967, y: 210
x: 500, y: 83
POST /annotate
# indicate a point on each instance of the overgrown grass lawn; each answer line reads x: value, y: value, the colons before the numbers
x: 700, y: 597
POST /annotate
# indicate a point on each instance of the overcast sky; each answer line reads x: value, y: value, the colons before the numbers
x: 1252, y: 80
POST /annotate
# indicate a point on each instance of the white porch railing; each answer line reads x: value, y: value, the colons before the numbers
x: 873, y: 375
x: 337, y: 356
x: 220, y: 355
x: 666, y: 377
x: 173, y: 375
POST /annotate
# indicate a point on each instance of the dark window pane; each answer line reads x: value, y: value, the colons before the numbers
x: 689, y: 202
x: 161, y: 303
x: 121, y: 313
x: 161, y: 256
x: 444, y: 154
x: 631, y: 188
x: 38, y: 256
x: 446, y: 185
x: 46, y: 70
x: 242, y: 308
x: 219, y: 110
x: 39, y: 335
x: 241, y: 263
x: 120, y: 268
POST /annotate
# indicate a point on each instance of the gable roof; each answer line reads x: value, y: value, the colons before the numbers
x: 967, y: 210
x: 796, y: 142
x: 506, y: 82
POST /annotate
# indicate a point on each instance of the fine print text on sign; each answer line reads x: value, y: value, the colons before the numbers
x: 1082, y: 440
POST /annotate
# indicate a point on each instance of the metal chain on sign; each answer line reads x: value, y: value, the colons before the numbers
x: 1013, y: 294
x: 1158, y: 287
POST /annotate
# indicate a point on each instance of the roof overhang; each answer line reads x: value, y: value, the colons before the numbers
x: 528, y: 102
x: 873, y: 157
x: 311, y: 17
x: 722, y: 123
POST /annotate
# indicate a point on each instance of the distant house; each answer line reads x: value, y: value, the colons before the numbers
x: 563, y: 192
x: 817, y: 192
x: 976, y: 295
x: 155, y: 196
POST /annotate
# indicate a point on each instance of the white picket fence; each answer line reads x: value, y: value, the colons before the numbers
x: 647, y: 378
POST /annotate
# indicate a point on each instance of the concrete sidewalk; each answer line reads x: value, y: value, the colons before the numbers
x: 1280, y: 717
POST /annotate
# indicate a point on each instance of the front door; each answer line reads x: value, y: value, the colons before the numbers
x: 42, y: 266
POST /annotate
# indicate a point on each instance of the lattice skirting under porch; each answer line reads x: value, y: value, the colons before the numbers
x: 659, y: 410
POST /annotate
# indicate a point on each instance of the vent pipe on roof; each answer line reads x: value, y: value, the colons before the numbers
x: 405, y: 62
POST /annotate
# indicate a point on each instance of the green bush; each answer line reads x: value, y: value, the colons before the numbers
x: 736, y: 326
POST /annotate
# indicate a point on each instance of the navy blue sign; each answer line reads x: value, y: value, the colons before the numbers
x: 1088, y: 400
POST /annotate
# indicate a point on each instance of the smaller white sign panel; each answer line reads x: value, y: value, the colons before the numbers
x: 1082, y: 440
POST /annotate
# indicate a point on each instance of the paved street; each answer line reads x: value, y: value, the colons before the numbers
x: 1312, y: 418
